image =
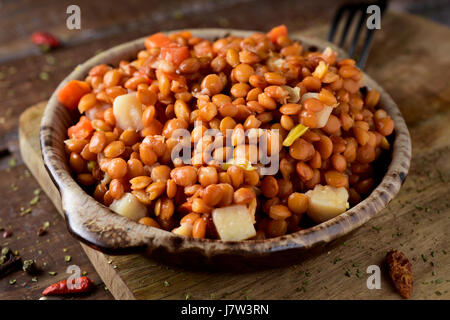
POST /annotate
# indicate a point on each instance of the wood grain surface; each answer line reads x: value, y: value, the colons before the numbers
x: 409, y: 59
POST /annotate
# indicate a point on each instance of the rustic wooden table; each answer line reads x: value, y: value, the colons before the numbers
x: 409, y: 58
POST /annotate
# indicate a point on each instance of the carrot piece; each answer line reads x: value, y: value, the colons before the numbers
x: 71, y: 93
x: 157, y: 40
x: 277, y: 32
x: 175, y: 53
x: 81, y: 130
x: 185, y: 34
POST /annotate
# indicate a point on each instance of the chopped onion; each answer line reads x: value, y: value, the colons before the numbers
x: 294, y: 134
x: 242, y: 163
x: 294, y: 93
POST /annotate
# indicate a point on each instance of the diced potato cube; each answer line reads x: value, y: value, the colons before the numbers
x: 233, y: 223
x: 129, y: 206
x: 184, y: 230
x: 326, y: 202
x: 127, y: 110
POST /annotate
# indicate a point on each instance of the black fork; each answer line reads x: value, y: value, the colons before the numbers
x: 347, y: 13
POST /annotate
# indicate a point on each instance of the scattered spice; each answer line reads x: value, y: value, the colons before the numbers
x: 336, y: 260
x: 187, y: 296
x: 9, y: 262
x: 34, y: 279
x: 166, y: 283
x: 12, y: 162
x: 7, y: 234
x: 24, y: 212
x: 177, y: 14
x: 43, y: 230
x: 29, y: 266
x: 52, y: 273
x: 50, y: 59
x: 82, y: 284
x: 300, y: 289
x: 44, y: 76
x: 359, y: 274
x: 67, y: 258
x: 12, y: 281
x: 376, y: 228
x: 400, y: 271
x: 223, y: 22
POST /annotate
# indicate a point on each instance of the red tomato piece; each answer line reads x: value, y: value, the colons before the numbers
x: 81, y: 130
x: 175, y: 53
x: 277, y: 32
x: 157, y: 40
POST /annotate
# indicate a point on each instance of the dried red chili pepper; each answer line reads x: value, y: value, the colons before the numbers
x: 400, y: 270
x: 42, y: 38
x: 84, y: 284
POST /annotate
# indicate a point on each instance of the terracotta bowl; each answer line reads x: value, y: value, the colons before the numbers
x: 96, y: 225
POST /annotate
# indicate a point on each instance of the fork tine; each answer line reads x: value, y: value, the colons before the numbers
x: 366, y: 48
x: 334, y: 25
x: 352, y: 10
x: 351, y: 14
x: 369, y: 37
x: 362, y: 19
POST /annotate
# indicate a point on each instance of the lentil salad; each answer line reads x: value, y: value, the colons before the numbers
x: 327, y: 134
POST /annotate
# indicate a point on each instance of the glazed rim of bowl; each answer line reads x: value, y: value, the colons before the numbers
x: 95, y: 224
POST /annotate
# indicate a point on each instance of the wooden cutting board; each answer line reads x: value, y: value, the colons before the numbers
x: 416, y: 221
